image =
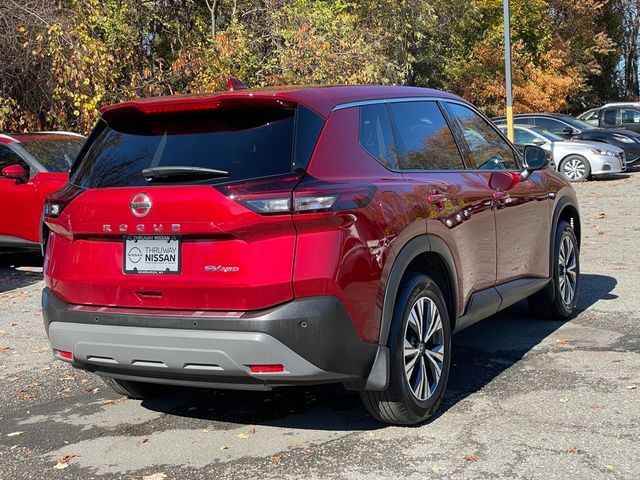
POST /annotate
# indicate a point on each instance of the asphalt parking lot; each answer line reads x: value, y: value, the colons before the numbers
x: 527, y: 398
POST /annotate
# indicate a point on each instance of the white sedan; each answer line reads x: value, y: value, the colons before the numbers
x: 577, y: 159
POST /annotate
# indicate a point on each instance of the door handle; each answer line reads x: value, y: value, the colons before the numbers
x: 437, y: 199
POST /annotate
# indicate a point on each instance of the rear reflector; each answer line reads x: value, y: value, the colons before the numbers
x: 67, y: 355
x: 267, y: 368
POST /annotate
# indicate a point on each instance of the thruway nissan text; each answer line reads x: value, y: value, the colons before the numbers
x: 260, y: 238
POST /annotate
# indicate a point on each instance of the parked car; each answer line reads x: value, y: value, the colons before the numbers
x: 578, y: 160
x: 33, y: 166
x: 261, y: 238
x: 592, y: 116
x: 570, y: 127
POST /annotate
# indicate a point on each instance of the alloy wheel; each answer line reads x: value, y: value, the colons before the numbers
x: 567, y: 275
x: 575, y: 169
x: 424, y: 348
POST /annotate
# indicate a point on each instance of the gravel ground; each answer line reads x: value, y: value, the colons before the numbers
x: 527, y: 398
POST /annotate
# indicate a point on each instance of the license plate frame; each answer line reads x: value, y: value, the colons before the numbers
x: 143, y: 267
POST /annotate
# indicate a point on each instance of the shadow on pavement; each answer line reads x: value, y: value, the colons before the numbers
x: 480, y: 353
x: 19, y: 270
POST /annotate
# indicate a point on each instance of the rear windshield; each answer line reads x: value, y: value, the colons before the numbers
x: 55, y: 155
x: 245, y: 142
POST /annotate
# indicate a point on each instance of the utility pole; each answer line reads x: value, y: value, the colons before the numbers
x: 507, y: 67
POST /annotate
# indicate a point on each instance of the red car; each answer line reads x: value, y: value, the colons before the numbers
x: 33, y: 166
x: 260, y: 238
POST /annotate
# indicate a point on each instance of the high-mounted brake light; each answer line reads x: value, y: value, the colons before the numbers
x: 56, y: 202
x: 297, y: 194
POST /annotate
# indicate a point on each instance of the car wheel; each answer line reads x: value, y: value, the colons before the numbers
x: 576, y: 168
x: 420, y: 355
x: 558, y: 301
x: 137, y: 390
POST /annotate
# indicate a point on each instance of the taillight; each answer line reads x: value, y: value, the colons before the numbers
x: 270, y: 195
x: 319, y: 196
x: 297, y: 194
x: 55, y: 203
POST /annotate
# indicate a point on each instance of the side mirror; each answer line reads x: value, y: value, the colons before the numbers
x: 535, y: 158
x: 14, y: 172
x: 538, y: 141
x: 568, y: 131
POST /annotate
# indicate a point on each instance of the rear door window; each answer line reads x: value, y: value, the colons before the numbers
x: 486, y: 148
x: 423, y: 137
x: 246, y: 142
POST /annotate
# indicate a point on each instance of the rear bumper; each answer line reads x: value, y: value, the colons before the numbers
x: 313, y: 338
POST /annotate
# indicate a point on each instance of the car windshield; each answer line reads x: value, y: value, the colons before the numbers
x: 55, y: 155
x: 548, y: 135
x: 574, y: 122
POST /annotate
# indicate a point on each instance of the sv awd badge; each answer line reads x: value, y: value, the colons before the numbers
x: 221, y: 269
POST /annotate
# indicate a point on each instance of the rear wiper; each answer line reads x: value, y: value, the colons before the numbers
x: 160, y: 173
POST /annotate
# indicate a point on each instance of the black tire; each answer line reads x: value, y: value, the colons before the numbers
x: 137, y: 390
x: 398, y: 404
x: 549, y: 302
x: 582, y: 168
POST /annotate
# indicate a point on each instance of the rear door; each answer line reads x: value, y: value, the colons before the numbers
x: 147, y: 229
x: 457, y: 202
x: 521, y: 213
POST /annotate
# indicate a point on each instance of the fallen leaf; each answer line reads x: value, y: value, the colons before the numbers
x: 142, y: 441
x: 33, y: 385
x: 28, y: 453
x: 111, y: 402
x: 573, y: 450
x: 631, y: 387
x: 435, y: 469
x: 92, y: 390
x: 252, y: 431
x: 616, y: 361
x: 4, y: 349
x: 242, y: 436
x: 154, y: 476
x: 471, y: 458
x: 276, y: 458
x: 27, y: 396
x: 602, y: 215
x: 70, y: 377
x: 14, y: 434
x: 595, y: 406
x: 65, y: 458
x: 562, y: 341
x: 60, y: 466
x: 564, y: 399
x: 224, y: 447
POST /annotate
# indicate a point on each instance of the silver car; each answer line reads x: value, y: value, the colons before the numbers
x: 577, y: 159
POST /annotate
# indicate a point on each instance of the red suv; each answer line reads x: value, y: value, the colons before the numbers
x: 32, y: 166
x: 259, y: 238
